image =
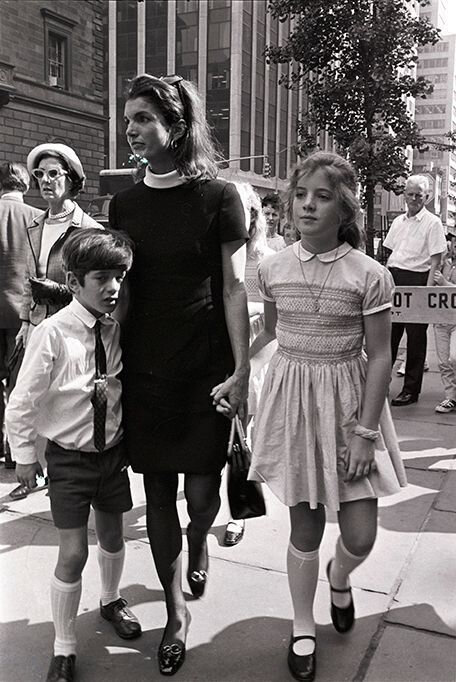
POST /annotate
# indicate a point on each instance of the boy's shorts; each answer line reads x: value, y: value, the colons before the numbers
x: 78, y: 480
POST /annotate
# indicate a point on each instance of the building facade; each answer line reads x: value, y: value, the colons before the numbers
x: 436, y: 115
x: 219, y: 45
x: 52, y: 81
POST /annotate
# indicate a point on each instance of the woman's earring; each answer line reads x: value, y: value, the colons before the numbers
x: 174, y: 144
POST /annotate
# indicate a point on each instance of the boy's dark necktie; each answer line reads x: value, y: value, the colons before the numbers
x: 100, y: 395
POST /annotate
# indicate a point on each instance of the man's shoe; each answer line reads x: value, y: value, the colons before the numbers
x: 123, y: 620
x: 20, y: 492
x: 446, y: 405
x: 234, y: 533
x: 61, y: 669
x: 302, y: 667
x: 404, y: 398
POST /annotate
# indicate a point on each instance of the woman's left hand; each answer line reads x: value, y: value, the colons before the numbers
x: 360, y: 458
x: 230, y: 397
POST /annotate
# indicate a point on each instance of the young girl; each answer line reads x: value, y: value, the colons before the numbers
x: 187, y: 331
x: 323, y: 434
x: 445, y: 335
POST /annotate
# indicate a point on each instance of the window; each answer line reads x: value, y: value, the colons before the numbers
x: 57, y: 61
x: 57, y: 49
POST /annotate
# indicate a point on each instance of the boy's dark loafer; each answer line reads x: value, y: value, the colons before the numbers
x: 123, y: 620
x: 62, y: 669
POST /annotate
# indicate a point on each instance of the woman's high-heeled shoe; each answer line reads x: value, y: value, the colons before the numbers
x: 196, y: 576
x: 342, y: 618
x: 171, y: 655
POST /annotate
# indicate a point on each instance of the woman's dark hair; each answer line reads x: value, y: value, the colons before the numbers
x: 14, y: 177
x: 93, y: 249
x: 194, y: 152
x: 77, y: 183
x: 342, y: 179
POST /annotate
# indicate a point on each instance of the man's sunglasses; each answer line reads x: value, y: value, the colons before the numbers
x: 52, y: 173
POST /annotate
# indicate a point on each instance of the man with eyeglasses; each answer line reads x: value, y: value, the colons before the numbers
x: 417, y: 241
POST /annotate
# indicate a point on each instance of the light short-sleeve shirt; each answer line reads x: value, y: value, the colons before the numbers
x: 413, y: 240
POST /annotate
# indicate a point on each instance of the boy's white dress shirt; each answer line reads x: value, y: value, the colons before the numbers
x: 55, y: 384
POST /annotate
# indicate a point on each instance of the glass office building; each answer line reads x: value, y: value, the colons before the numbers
x: 219, y: 45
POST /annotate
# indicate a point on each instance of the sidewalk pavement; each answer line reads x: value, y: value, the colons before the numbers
x: 405, y: 593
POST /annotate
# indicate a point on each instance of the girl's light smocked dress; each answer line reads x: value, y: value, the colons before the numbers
x: 313, y: 391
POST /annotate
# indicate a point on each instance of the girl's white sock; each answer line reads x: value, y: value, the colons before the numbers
x: 302, y: 579
x: 111, y: 566
x: 65, y: 598
x: 342, y: 565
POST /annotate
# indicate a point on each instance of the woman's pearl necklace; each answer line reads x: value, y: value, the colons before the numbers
x: 63, y: 214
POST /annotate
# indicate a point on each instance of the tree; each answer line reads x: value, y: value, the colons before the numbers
x: 354, y: 59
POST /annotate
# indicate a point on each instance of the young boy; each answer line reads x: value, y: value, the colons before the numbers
x: 68, y: 391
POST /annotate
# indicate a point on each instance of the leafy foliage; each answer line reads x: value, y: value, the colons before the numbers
x: 355, y: 61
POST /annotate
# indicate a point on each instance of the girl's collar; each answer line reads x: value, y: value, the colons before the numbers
x: 164, y: 181
x: 327, y: 257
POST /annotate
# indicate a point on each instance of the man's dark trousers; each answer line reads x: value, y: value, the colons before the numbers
x: 416, y: 335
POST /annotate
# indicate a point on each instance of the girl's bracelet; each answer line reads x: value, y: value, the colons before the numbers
x: 369, y: 434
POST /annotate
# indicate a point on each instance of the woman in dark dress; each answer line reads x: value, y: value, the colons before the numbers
x: 186, y: 335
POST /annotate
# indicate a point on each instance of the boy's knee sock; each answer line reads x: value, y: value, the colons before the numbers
x: 65, y: 598
x: 343, y: 564
x: 302, y: 579
x: 111, y: 566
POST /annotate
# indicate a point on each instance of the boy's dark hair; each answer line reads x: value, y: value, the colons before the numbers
x: 93, y: 249
x: 272, y: 200
x: 14, y: 177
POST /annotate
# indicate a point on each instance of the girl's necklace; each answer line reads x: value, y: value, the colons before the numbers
x: 316, y: 298
x: 63, y: 214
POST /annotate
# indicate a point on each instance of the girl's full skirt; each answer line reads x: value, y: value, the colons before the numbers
x: 305, y: 421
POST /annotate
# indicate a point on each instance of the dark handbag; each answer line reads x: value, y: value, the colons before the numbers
x: 245, y: 497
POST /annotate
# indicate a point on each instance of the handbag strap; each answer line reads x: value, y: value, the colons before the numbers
x: 239, y: 428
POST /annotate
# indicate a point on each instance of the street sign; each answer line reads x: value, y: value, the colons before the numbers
x: 424, y: 305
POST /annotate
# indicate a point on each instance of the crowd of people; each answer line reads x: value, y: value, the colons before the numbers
x: 138, y: 345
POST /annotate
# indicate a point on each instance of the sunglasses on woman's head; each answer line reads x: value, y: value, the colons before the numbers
x: 171, y: 80
x: 52, y: 173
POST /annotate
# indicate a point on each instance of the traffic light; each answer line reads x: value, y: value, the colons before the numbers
x: 266, y: 168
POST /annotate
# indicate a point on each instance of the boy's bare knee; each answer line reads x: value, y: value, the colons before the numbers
x: 70, y: 563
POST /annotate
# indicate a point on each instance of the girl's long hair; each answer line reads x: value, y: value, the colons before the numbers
x: 195, y: 154
x: 257, y: 246
x: 342, y: 179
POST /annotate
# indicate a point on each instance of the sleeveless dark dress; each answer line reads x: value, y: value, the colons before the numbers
x: 175, y: 340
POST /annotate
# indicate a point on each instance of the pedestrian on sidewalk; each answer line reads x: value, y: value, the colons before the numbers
x: 68, y: 391
x: 257, y: 249
x: 186, y: 331
x: 445, y: 335
x: 15, y: 217
x: 272, y: 209
x: 324, y: 435
x: 58, y: 172
x: 416, y: 240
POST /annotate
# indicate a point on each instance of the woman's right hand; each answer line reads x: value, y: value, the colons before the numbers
x: 21, y: 336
